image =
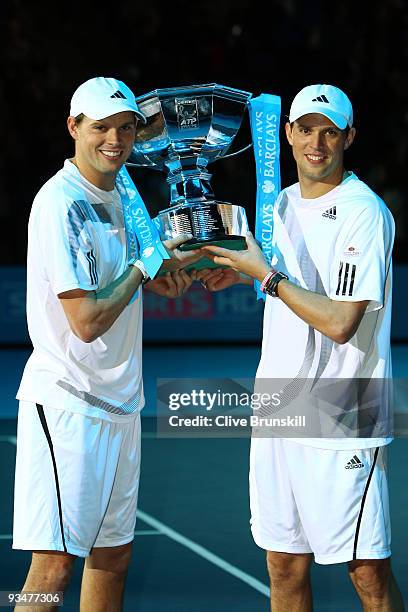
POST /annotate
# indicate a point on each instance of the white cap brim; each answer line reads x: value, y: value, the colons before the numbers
x: 107, y: 111
x: 339, y: 120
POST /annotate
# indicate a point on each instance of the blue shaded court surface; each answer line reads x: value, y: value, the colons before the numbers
x: 193, y: 549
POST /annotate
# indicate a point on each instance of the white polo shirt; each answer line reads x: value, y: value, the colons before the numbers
x: 338, y: 245
x: 77, y: 240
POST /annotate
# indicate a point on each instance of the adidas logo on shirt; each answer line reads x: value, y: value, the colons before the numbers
x: 330, y: 213
x: 354, y: 463
x: 321, y: 99
x: 118, y: 94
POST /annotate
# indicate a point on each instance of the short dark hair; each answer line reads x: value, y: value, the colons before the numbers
x: 345, y: 130
x: 80, y: 117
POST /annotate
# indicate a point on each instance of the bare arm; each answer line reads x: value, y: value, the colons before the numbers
x: 91, y: 313
x: 335, y: 319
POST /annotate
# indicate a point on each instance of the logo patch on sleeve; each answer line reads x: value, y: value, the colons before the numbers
x: 351, y: 251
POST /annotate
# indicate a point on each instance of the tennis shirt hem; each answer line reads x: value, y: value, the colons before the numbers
x: 79, y: 406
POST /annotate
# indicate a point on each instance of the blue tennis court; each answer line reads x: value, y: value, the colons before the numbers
x: 193, y: 549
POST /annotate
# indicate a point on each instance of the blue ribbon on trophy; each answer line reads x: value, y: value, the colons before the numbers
x: 265, y: 113
x: 141, y: 233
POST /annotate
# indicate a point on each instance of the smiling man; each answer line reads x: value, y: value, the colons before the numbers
x: 327, y: 318
x: 78, y: 441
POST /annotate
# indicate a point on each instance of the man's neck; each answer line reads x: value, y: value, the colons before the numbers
x: 106, y: 182
x: 311, y: 189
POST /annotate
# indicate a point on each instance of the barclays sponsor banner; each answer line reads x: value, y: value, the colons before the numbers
x: 232, y: 315
x: 265, y: 118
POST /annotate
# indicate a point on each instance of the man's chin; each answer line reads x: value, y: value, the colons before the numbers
x: 318, y: 173
x: 111, y: 168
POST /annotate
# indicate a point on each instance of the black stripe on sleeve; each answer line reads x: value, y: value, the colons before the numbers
x: 92, y: 267
x: 345, y: 279
x: 41, y: 414
x: 92, y: 255
x: 360, y: 516
x: 340, y: 273
x: 353, y: 273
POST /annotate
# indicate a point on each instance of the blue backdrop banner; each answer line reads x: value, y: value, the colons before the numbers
x: 233, y: 315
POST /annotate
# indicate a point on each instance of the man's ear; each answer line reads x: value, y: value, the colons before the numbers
x: 349, y: 139
x: 288, y: 130
x: 72, y: 127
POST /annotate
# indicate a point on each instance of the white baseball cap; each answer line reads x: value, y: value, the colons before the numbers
x: 101, y: 97
x: 326, y: 100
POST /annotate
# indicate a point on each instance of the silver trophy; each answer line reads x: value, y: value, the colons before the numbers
x: 186, y: 129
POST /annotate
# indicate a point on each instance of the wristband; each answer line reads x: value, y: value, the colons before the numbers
x: 140, y: 266
x: 266, y: 279
x: 271, y: 282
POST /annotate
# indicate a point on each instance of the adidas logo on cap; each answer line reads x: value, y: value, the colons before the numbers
x: 118, y: 94
x: 321, y: 99
x: 354, y: 463
x: 330, y: 213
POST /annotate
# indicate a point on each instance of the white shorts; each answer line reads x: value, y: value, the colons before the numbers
x: 76, y: 482
x: 333, y: 503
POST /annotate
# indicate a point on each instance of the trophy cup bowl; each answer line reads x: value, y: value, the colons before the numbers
x: 186, y: 129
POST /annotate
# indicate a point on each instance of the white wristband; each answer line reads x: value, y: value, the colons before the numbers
x: 140, y: 266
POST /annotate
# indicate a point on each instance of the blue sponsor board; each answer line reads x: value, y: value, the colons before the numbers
x: 233, y: 315
x: 13, y: 326
x: 230, y: 315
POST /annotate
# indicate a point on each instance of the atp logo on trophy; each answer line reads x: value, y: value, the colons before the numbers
x: 187, y: 113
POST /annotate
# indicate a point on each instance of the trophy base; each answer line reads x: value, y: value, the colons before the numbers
x: 210, y: 223
x: 234, y: 243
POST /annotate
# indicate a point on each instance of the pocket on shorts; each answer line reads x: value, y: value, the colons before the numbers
x: 72, y: 431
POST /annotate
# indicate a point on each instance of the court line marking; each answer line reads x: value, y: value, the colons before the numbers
x: 204, y: 553
x: 11, y: 439
x: 184, y: 541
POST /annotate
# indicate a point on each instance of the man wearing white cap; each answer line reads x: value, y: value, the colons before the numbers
x: 78, y: 442
x: 327, y: 318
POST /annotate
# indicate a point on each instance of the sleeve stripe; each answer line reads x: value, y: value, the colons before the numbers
x: 353, y: 273
x: 340, y: 271
x: 347, y: 275
x: 92, y: 267
x: 345, y: 279
x: 93, y: 258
